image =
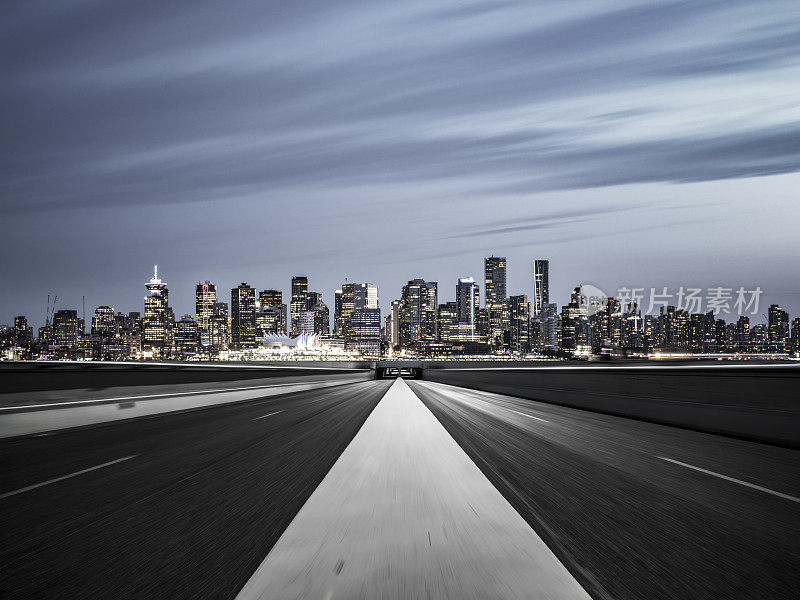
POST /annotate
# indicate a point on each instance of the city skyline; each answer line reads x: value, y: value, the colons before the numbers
x: 183, y: 301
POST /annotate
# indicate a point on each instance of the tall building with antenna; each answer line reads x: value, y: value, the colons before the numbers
x: 156, y: 310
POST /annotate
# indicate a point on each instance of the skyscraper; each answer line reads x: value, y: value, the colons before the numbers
x: 272, y: 312
x: 392, y: 330
x: 354, y: 297
x: 467, y: 300
x: 778, y: 328
x: 418, y: 312
x: 205, y: 295
x: 447, y: 322
x: 495, y: 279
x: 298, y: 303
x: 219, y: 336
x: 243, y: 317
x: 541, y: 285
x: 496, y: 299
x: 65, y: 331
x: 520, y: 321
x: 103, y: 322
x: 155, y: 326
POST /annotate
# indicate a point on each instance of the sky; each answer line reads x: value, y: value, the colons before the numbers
x: 632, y: 143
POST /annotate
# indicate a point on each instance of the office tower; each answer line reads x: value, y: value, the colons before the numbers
x: 365, y: 328
x: 467, y: 306
x: 467, y: 300
x: 520, y: 324
x: 777, y: 328
x: 354, y: 297
x: 337, y: 313
x: 65, y: 330
x: 575, y: 331
x: 134, y: 321
x: 104, y: 322
x: 447, y: 322
x: 219, y: 335
x: 272, y: 312
x: 495, y: 279
x: 322, y: 317
x: 270, y: 298
x: 243, y: 317
x: 742, y: 334
x: 156, y: 317
x: 418, y: 312
x: 205, y: 297
x: 496, y: 299
x: 392, y: 330
x: 794, y: 338
x: 187, y: 335
x: 298, y: 303
x: 23, y: 333
x: 541, y: 285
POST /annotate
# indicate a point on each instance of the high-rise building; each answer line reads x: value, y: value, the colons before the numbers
x: 467, y: 307
x: 350, y: 298
x: 418, y: 312
x: 65, y: 330
x: 299, y: 302
x: 156, y: 325
x: 575, y: 330
x: 495, y: 279
x: 467, y: 300
x: 366, y: 331
x: 520, y: 324
x: 243, y: 317
x: 186, y: 335
x: 23, y: 334
x: 205, y: 295
x: 496, y: 300
x: 392, y: 329
x: 219, y: 337
x: 447, y: 322
x: 794, y: 338
x: 271, y: 312
x: 104, y: 322
x: 549, y: 328
x: 541, y: 285
x: 778, y: 328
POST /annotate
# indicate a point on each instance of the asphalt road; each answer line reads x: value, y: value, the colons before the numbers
x: 189, y: 505
x: 636, y: 510
x: 174, y: 506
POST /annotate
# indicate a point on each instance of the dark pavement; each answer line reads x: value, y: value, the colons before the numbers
x: 191, y: 515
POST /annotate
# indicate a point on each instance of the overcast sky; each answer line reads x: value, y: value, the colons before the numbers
x: 632, y: 143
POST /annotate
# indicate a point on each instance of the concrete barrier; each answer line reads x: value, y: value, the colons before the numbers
x: 756, y: 402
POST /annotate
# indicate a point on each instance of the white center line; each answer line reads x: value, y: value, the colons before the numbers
x: 49, y: 481
x: 529, y: 416
x: 726, y: 478
x: 269, y: 415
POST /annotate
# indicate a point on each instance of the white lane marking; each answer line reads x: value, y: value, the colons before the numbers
x: 62, y: 478
x: 150, y: 396
x: 405, y: 513
x: 529, y: 416
x: 269, y: 415
x: 734, y: 480
x: 463, y: 395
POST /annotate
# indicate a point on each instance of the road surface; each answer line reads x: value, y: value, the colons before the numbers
x: 383, y: 489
